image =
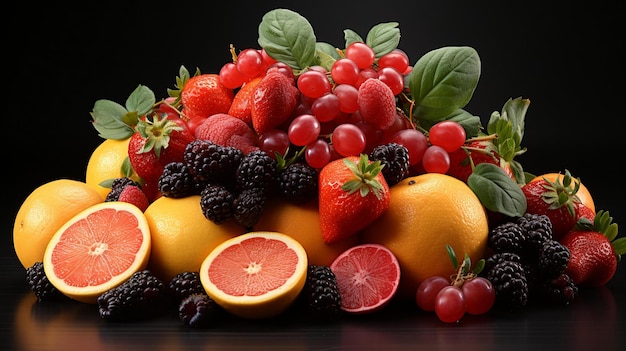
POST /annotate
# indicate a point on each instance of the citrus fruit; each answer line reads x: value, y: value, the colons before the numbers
x: 427, y: 212
x: 255, y: 275
x: 301, y: 222
x: 44, y: 211
x: 97, y: 249
x: 368, y: 276
x: 583, y: 192
x: 105, y: 163
x: 181, y: 236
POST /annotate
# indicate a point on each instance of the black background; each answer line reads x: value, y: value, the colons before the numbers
x: 61, y: 59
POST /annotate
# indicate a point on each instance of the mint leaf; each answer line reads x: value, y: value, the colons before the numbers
x: 141, y: 100
x: 496, y: 191
x: 108, y: 119
x: 443, y: 80
x: 383, y: 38
x: 288, y: 37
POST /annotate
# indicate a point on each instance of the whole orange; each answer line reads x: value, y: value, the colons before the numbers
x: 106, y: 163
x: 583, y: 193
x: 427, y: 212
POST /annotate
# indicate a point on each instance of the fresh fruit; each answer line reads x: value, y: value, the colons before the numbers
x: 450, y: 304
x: 97, y: 249
x: 273, y: 100
x: 352, y: 194
x: 426, y: 213
x: 255, y: 275
x: 301, y: 222
x: 241, y: 106
x: 226, y: 130
x: 555, y: 199
x: 204, y: 95
x: 583, y: 194
x: 594, y: 251
x: 181, y: 236
x: 44, y: 211
x: 134, y: 195
x: 368, y: 276
x: 377, y: 103
x: 106, y: 163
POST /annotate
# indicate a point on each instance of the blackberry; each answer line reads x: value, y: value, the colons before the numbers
x: 248, y: 207
x: 117, y: 186
x: 298, y: 182
x: 506, y: 237
x: 553, y: 258
x: 395, y: 158
x: 40, y: 285
x: 560, y: 289
x: 216, y: 202
x: 509, y: 281
x: 210, y: 162
x: 537, y: 230
x: 198, y: 310
x: 498, y: 257
x: 176, y: 181
x: 257, y: 170
x: 322, y: 293
x: 137, y: 298
x: 184, y: 284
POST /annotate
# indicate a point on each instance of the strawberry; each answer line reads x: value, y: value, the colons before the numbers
x: 226, y: 130
x: 155, y: 143
x: 480, y: 150
x: 134, y: 195
x: 377, y: 104
x: 594, y: 251
x: 584, y: 212
x: 273, y: 100
x: 352, y: 194
x: 204, y: 95
x: 242, y: 103
x: 557, y: 200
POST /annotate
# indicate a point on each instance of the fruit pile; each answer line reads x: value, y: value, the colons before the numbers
x: 302, y: 175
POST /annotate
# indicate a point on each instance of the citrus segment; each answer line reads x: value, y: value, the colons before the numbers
x: 255, y: 275
x: 181, y: 236
x: 44, y: 211
x: 427, y: 212
x: 98, y: 249
x: 368, y: 276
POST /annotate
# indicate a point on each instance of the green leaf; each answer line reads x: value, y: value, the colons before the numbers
x: 288, y: 37
x: 383, y: 38
x: 108, y: 120
x: 443, y: 80
x: 470, y: 123
x: 141, y: 100
x: 496, y: 191
x: 327, y: 55
x: 351, y: 36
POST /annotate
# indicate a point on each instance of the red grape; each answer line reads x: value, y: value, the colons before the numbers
x: 414, y: 141
x: 313, y: 83
x: 428, y: 290
x: 317, y: 153
x: 392, y: 78
x: 348, y: 139
x: 344, y: 71
x: 303, y: 130
x: 436, y: 160
x: 479, y: 295
x: 250, y: 63
x: 450, y: 304
x: 449, y: 135
x: 348, y: 97
x: 361, y: 54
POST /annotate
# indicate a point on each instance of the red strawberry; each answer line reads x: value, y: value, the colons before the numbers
x: 554, y: 199
x: 594, y: 252
x: 352, y: 194
x: 154, y: 144
x: 377, y: 104
x: 134, y: 195
x: 480, y: 151
x: 204, y: 95
x: 242, y: 103
x: 584, y: 212
x: 273, y: 100
x: 226, y: 130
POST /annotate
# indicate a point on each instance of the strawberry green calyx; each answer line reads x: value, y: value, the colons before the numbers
x: 560, y: 193
x: 364, y: 180
x: 157, y: 133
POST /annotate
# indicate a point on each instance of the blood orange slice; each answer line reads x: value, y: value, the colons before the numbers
x: 368, y: 276
x: 97, y: 249
x: 255, y: 275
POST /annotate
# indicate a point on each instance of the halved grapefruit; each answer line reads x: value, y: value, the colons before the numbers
x: 255, y: 275
x: 97, y: 249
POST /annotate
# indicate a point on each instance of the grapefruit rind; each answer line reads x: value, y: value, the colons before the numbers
x: 90, y: 293
x: 268, y: 304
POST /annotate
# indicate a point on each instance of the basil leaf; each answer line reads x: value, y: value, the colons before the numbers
x: 351, y: 36
x: 383, y: 38
x: 108, y: 120
x: 141, y: 100
x: 327, y: 55
x: 496, y: 191
x: 288, y: 37
x: 443, y: 80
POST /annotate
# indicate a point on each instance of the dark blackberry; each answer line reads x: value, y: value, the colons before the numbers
x: 322, y: 293
x: 40, y: 285
x: 553, y: 259
x: 176, y: 181
x: 537, y: 230
x: 498, y: 257
x: 216, y: 202
x: 560, y: 289
x: 117, y: 186
x: 298, y: 182
x: 210, y: 162
x: 395, y: 158
x: 137, y: 298
x: 506, y: 237
x: 248, y: 207
x: 509, y: 281
x: 198, y: 310
x: 184, y: 284
x: 257, y: 170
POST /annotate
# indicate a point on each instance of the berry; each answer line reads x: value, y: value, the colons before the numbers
x: 117, y: 186
x: 553, y: 258
x: 216, y: 202
x: 377, y: 103
x: 248, y: 207
x: 509, y: 281
x: 209, y: 162
x: 560, y: 289
x: 185, y: 284
x: 39, y: 283
x: 322, y: 293
x: 257, y: 170
x: 226, y: 130
x: 506, y: 237
x: 198, y: 310
x: 177, y: 181
x: 298, y: 182
x: 133, y: 194
x: 395, y: 160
